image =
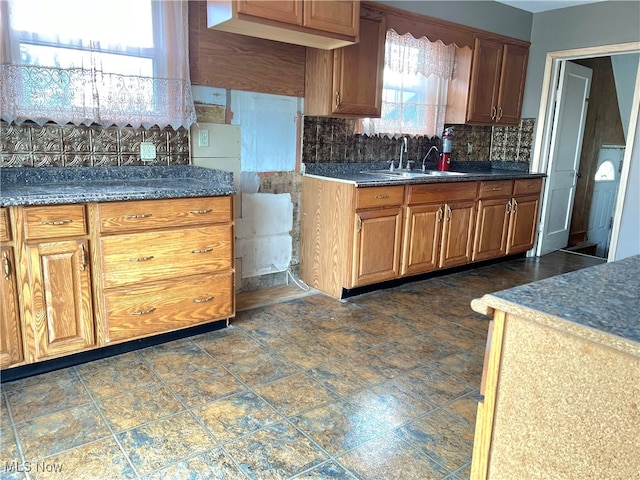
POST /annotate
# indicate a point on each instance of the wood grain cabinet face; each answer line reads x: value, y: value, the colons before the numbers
x: 336, y: 16
x: 286, y: 11
x: 60, y: 310
x: 11, y: 352
x: 498, y: 75
x: 348, y: 81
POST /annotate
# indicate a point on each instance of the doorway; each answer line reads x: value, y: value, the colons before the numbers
x: 578, y: 211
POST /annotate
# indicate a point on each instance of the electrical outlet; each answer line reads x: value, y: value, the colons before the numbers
x: 203, y: 138
x: 147, y: 151
x: 469, y: 148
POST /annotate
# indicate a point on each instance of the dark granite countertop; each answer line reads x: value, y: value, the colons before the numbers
x: 58, y: 185
x: 600, y: 299
x: 471, y: 171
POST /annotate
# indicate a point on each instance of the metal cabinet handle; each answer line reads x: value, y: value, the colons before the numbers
x: 359, y: 227
x: 56, y: 222
x: 7, y: 265
x: 208, y: 298
x: 144, y: 312
x: 499, y: 113
x: 448, y: 212
x: 509, y: 206
x: 496, y: 189
x: 515, y: 205
x: 203, y: 250
x: 141, y: 259
x: 139, y: 215
x: 493, y: 113
x: 337, y: 99
x: 439, y: 216
x: 83, y: 257
x: 200, y: 212
x: 382, y: 196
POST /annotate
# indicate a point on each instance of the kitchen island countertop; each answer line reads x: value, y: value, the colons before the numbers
x: 61, y: 185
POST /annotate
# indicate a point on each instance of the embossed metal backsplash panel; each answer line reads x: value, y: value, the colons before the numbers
x: 29, y: 145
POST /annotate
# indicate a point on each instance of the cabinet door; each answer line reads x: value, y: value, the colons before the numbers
x: 523, y: 224
x: 491, y: 229
x: 485, y: 81
x: 512, y: 77
x: 60, y: 315
x: 10, y: 335
x: 457, y: 234
x: 286, y: 11
x: 357, y: 72
x: 377, y: 246
x: 423, y: 226
x: 337, y: 16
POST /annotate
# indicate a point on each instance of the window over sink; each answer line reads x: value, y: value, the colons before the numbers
x: 414, y: 96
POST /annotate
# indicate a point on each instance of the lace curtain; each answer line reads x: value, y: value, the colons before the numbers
x: 414, y: 98
x: 110, y: 63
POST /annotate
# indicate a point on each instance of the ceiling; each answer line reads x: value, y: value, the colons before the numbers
x: 535, y: 6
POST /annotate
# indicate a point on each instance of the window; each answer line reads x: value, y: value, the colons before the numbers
x: 415, y: 86
x: 76, y: 61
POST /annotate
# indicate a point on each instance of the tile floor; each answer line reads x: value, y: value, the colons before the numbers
x: 381, y: 386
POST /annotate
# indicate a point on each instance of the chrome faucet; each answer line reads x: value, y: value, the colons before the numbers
x: 433, y: 147
x: 403, y: 148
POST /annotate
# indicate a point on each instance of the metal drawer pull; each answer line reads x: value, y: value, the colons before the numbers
x: 7, y: 265
x: 509, y: 206
x: 83, y: 257
x: 144, y: 312
x: 139, y: 215
x: 141, y: 259
x: 382, y: 196
x: 515, y: 205
x: 203, y: 250
x: 439, y: 216
x: 495, y: 189
x: 208, y: 298
x: 200, y: 212
x: 57, y: 222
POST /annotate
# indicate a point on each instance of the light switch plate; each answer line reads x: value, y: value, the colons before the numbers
x: 147, y: 151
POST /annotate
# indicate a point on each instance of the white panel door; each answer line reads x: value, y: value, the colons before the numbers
x: 566, y: 145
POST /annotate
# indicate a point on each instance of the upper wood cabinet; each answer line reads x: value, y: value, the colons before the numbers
x: 325, y: 24
x: 348, y: 81
x: 496, y: 89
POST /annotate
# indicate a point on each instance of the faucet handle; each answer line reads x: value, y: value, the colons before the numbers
x: 391, y: 166
x: 408, y: 163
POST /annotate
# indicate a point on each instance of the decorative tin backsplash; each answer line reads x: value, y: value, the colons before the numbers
x: 29, y: 145
x: 333, y: 140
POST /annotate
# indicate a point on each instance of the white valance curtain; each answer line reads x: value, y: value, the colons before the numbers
x: 111, y: 63
x: 416, y: 76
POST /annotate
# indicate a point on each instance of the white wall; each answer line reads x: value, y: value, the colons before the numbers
x: 625, y: 68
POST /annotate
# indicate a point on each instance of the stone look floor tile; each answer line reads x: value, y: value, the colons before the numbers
x: 276, y: 452
x: 466, y: 366
x: 114, y: 375
x: 388, y: 360
x: 442, y: 437
x: 345, y: 378
x: 465, y: 408
x: 53, y: 433
x: 102, y: 459
x: 38, y: 399
x: 227, y: 347
x: 295, y: 394
x: 206, y: 466
x: 338, y: 426
x: 55, y: 376
x: 389, y: 405
x: 309, y: 354
x: 135, y: 407
x: 433, y: 385
x: 261, y: 368
x: 390, y: 458
x: 9, y: 452
x: 157, y: 444
x: 232, y: 417
x: 349, y: 340
x: 327, y: 471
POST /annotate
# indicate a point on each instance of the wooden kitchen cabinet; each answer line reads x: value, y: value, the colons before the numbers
x: 11, y: 352
x: 348, y: 81
x: 314, y: 23
x: 56, y: 277
x: 438, y: 230
x: 498, y: 73
x: 165, y: 265
x: 523, y: 221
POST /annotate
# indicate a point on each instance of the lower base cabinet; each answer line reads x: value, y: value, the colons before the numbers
x: 10, y: 331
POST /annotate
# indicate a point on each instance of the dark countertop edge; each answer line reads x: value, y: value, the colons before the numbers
x: 541, y: 302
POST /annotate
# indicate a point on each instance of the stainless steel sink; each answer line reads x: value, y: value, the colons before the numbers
x: 412, y: 173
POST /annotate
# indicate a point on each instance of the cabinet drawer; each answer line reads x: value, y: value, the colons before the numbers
x: 129, y: 216
x: 5, y: 229
x: 525, y: 186
x: 441, y: 192
x: 371, y: 197
x: 54, y: 221
x: 496, y: 189
x: 165, y: 307
x: 142, y: 257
